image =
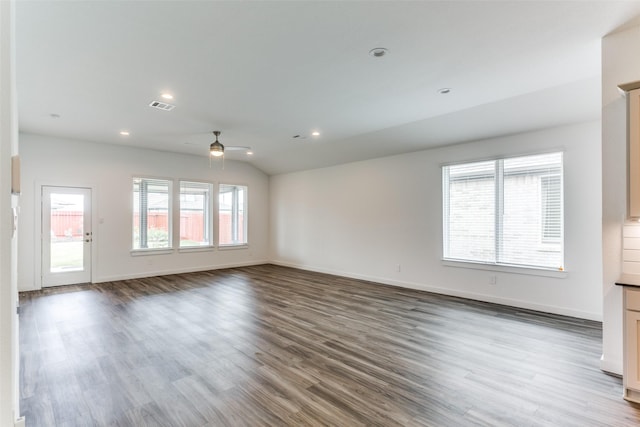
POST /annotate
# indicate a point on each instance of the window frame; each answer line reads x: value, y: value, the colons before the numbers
x: 208, y: 220
x: 245, y: 221
x: 498, y: 232
x: 170, y: 186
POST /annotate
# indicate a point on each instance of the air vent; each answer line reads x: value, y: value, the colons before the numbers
x: 162, y: 106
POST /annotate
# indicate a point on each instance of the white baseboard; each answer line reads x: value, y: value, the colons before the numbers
x: 154, y: 273
x: 27, y: 288
x: 611, y: 366
x: 144, y: 274
x: 453, y: 292
x: 19, y: 422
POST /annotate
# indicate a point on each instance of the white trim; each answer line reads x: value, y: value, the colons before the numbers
x: 559, y: 149
x: 563, y: 311
x: 178, y: 271
x: 189, y: 249
x: 151, y: 251
x: 245, y: 218
x: 37, y: 229
x: 171, y: 210
x: 528, y: 271
x: 231, y: 247
x: 210, y: 221
x: 611, y: 366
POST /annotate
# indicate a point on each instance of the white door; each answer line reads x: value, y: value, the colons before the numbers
x: 66, y: 235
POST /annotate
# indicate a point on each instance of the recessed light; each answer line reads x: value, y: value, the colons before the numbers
x: 315, y: 133
x: 444, y: 90
x: 378, y: 52
x: 249, y: 153
x: 124, y: 133
x: 167, y: 96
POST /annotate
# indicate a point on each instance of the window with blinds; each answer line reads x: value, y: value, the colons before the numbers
x: 151, y: 213
x: 505, y: 211
x: 195, y: 214
x: 551, y: 193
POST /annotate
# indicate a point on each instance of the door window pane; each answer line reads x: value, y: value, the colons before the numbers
x: 67, y: 232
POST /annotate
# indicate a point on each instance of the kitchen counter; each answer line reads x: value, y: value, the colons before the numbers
x: 629, y: 280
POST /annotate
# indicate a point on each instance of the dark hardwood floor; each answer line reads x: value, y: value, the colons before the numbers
x: 268, y: 345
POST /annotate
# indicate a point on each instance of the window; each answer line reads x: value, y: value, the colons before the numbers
x: 232, y: 219
x: 195, y: 214
x: 151, y: 213
x: 551, y: 191
x: 505, y: 211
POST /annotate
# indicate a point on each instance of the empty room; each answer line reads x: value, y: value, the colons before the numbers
x: 306, y: 213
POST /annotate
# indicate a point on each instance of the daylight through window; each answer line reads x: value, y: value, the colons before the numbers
x: 195, y: 214
x: 232, y: 201
x: 505, y: 211
x: 151, y: 213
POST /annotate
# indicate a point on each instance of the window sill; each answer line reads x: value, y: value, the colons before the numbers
x: 188, y: 249
x: 529, y: 271
x: 232, y: 247
x: 143, y: 252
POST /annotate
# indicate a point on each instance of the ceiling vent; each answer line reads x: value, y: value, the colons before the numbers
x: 162, y: 106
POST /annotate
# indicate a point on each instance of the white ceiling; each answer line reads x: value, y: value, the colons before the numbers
x: 264, y: 71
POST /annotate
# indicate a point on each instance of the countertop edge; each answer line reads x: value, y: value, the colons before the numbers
x: 629, y: 280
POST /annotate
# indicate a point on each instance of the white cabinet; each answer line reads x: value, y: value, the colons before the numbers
x: 633, y: 132
x: 631, y: 374
x: 634, y: 153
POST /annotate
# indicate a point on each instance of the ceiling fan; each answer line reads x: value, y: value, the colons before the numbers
x: 216, y: 149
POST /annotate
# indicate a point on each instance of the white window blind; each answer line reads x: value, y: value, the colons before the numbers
x: 505, y: 211
x: 195, y: 214
x: 551, y: 190
x: 151, y: 213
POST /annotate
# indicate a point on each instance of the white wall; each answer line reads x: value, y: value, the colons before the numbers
x: 9, y: 357
x: 620, y: 64
x: 108, y: 169
x: 363, y: 219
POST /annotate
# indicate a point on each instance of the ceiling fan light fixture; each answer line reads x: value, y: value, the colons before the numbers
x: 216, y: 149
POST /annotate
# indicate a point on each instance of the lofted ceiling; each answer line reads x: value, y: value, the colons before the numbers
x: 265, y: 71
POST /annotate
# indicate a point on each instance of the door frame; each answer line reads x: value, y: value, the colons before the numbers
x: 37, y: 226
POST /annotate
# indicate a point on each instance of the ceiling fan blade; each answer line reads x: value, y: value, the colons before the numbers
x: 236, y: 148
